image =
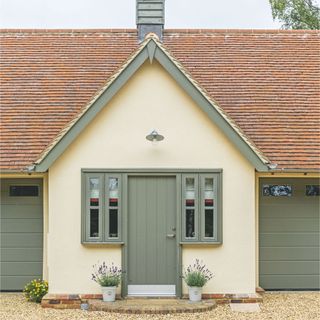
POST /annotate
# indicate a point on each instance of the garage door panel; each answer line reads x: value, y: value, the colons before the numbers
x: 16, y: 282
x: 15, y: 212
x: 27, y: 200
x: 21, y: 240
x: 21, y: 254
x: 296, y: 210
x: 289, y: 267
x: 22, y: 268
x: 289, y: 239
x: 289, y: 253
x: 289, y: 281
x: 21, y: 225
x: 21, y: 235
x: 289, y: 225
x: 289, y: 236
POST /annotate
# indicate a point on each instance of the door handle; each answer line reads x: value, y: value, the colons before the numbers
x: 171, y: 235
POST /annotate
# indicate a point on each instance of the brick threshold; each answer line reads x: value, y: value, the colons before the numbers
x: 74, y: 301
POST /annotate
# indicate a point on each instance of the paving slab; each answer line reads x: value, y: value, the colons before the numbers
x: 245, y: 307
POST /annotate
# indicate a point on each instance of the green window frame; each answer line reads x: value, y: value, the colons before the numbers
x: 104, y: 207
x: 206, y: 208
x: 101, y: 198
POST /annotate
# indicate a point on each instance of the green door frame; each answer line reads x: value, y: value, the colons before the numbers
x: 150, y: 172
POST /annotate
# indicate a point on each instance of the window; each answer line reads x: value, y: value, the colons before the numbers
x: 103, y: 215
x: 23, y: 191
x: 201, y: 214
x: 102, y: 207
x: 277, y: 190
x: 312, y: 190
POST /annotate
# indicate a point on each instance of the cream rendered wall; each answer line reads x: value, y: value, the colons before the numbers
x: 116, y: 139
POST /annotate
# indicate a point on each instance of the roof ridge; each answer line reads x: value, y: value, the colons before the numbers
x: 253, y: 31
x: 67, y: 30
x: 167, y: 30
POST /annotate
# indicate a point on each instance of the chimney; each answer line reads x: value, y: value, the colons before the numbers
x: 150, y: 18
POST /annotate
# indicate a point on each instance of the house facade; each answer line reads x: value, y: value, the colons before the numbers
x: 233, y: 182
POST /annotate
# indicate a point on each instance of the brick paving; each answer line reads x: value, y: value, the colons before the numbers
x: 152, y: 306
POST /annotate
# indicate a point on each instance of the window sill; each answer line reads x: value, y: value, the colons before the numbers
x: 114, y: 243
x: 201, y: 243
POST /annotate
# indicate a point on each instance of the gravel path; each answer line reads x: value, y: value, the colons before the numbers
x: 276, y: 306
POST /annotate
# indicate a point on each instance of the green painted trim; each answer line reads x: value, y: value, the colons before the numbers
x: 151, y: 51
x: 178, y: 237
x: 206, y: 106
x: 152, y: 171
x: 151, y: 46
x: 203, y: 243
x: 97, y: 106
x: 124, y: 251
x: 220, y: 209
x: 113, y: 243
x: 83, y: 208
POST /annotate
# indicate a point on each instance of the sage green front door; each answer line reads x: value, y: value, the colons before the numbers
x: 151, y: 235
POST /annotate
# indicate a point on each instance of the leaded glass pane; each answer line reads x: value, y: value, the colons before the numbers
x: 113, y: 188
x: 190, y: 189
x: 312, y: 190
x: 277, y: 190
x: 94, y: 191
x: 208, y: 192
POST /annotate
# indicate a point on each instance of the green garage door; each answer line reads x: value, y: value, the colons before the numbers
x: 289, y: 233
x: 21, y: 232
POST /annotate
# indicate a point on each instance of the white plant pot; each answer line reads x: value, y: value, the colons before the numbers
x: 195, y: 294
x: 109, y: 294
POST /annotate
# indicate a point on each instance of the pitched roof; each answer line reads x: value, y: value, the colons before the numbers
x: 151, y: 49
x: 266, y: 81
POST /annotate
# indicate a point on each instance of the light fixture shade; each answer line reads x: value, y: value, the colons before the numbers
x: 154, y: 136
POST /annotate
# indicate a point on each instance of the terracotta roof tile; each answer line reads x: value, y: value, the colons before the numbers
x: 267, y: 81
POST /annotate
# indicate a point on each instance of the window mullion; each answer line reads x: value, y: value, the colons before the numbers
x: 201, y: 208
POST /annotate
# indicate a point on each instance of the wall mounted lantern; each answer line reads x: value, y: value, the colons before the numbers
x: 154, y: 137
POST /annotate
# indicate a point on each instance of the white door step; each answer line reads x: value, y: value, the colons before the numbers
x: 245, y: 307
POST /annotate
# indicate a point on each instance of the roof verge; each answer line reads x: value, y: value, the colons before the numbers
x: 151, y: 48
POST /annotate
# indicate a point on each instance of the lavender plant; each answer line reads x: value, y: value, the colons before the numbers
x: 106, y: 276
x: 197, y: 274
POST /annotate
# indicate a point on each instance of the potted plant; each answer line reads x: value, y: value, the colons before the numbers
x: 196, y: 276
x: 109, y: 279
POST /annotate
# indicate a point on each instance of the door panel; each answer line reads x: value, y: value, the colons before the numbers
x: 151, y: 218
